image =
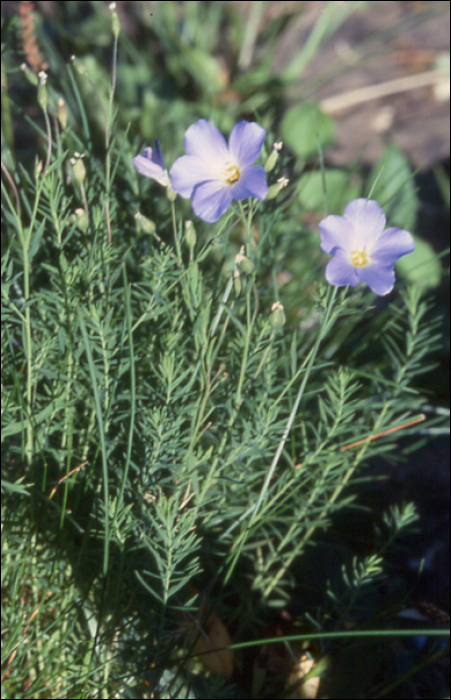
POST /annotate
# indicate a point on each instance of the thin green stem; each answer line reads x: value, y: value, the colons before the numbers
x: 348, y: 634
x: 7, y: 121
x: 49, y: 140
x: 108, y: 123
x: 176, y: 237
x: 345, y: 480
x: 222, y: 305
x: 244, y: 358
x: 28, y: 344
x: 324, y: 328
x: 178, y: 249
x: 103, y: 447
x: 247, y: 223
x: 132, y: 390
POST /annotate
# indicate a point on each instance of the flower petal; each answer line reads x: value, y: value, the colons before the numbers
x: 205, y: 141
x: 392, y: 245
x: 210, y: 200
x: 252, y: 183
x: 155, y: 154
x: 368, y: 220
x: 245, y: 143
x: 149, y: 168
x: 340, y: 271
x: 190, y: 171
x: 336, y: 231
x: 379, y: 278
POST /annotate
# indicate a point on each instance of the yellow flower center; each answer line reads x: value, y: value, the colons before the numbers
x: 359, y: 258
x: 232, y: 174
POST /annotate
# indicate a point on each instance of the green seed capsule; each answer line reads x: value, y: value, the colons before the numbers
x: 237, y: 283
x: 43, y: 95
x: 273, y: 156
x: 79, y: 170
x: 278, y: 186
x: 277, y: 317
x: 245, y: 264
x: 29, y: 74
x: 190, y: 235
x: 146, y: 225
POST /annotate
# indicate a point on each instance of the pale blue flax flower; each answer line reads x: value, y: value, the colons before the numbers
x: 151, y: 164
x: 214, y: 173
x: 363, y: 249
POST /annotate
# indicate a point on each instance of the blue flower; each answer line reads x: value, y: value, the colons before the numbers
x: 151, y: 164
x: 214, y: 173
x: 363, y: 250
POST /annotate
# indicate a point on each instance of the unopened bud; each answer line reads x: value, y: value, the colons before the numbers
x: 190, y: 235
x: 274, y: 190
x: 277, y: 317
x: 244, y: 263
x: 62, y: 113
x: 78, y: 168
x: 78, y: 66
x: 114, y: 19
x: 273, y: 156
x: 146, y: 225
x: 43, y: 96
x: 29, y: 74
x: 237, y: 283
x: 81, y: 219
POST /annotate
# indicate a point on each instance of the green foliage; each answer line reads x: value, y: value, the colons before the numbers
x: 167, y: 451
x: 338, y: 187
x: 305, y: 129
x: 394, y: 188
x: 422, y: 268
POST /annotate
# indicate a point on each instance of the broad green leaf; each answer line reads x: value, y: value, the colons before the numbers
x: 305, y: 127
x: 422, y: 267
x: 395, y: 189
x: 339, y: 191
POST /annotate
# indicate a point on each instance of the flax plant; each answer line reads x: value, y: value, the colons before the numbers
x: 178, y: 424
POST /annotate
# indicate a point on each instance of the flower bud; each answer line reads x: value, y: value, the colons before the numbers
x: 190, y: 235
x: 146, y: 225
x: 62, y: 113
x: 116, y: 27
x: 78, y: 66
x: 43, y: 96
x: 29, y: 74
x: 273, y: 156
x: 237, y: 283
x: 274, y: 190
x: 81, y: 219
x: 277, y: 317
x: 244, y: 263
x: 78, y: 168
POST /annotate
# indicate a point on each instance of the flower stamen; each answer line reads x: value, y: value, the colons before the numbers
x: 232, y: 174
x: 359, y: 258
